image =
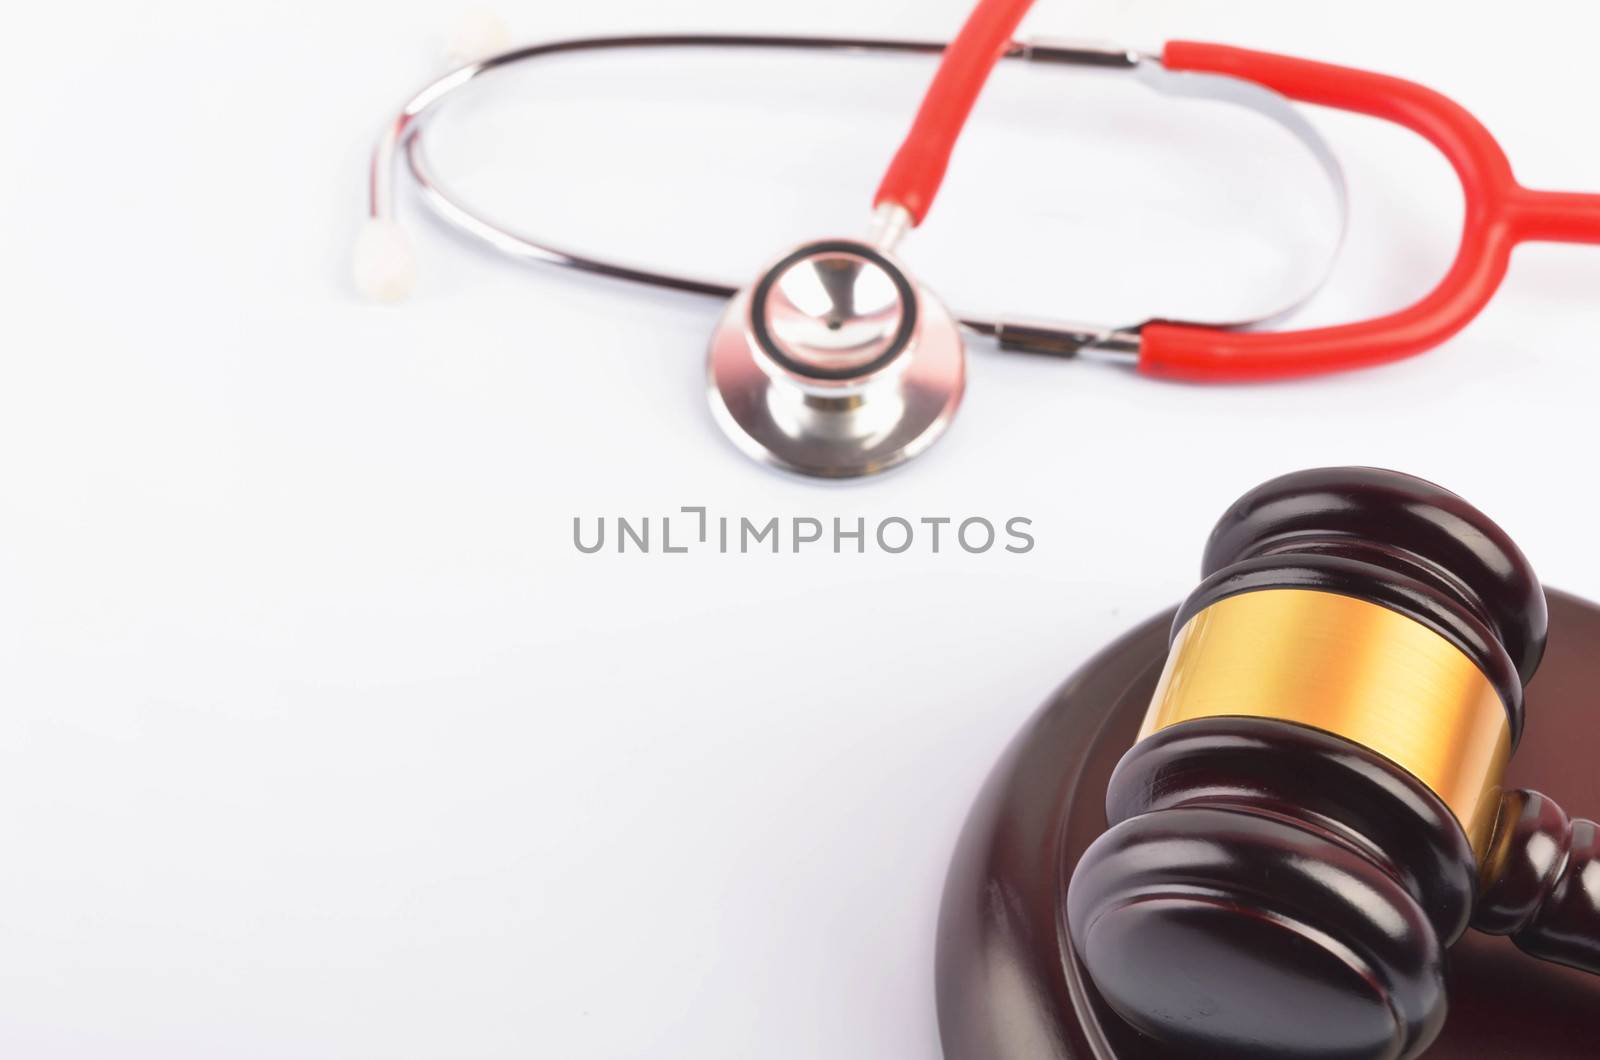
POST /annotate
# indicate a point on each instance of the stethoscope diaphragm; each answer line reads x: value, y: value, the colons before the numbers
x: 835, y: 363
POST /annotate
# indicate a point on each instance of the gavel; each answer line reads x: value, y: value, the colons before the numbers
x: 1313, y: 810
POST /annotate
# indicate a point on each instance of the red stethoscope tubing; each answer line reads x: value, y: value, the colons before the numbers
x: 918, y: 168
x: 1500, y: 213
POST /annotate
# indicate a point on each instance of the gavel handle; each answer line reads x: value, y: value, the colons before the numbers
x: 1541, y: 882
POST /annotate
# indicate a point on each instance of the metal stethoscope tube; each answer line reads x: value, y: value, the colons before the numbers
x: 406, y: 136
x: 834, y: 363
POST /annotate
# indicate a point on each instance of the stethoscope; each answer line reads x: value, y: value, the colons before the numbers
x: 835, y: 362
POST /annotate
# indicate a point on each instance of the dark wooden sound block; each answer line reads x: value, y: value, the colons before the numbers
x: 1009, y: 987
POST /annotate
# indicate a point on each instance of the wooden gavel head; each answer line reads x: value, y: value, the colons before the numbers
x: 1313, y: 810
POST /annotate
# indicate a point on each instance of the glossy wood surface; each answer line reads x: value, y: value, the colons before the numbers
x: 1542, y: 882
x: 1009, y: 987
x: 1271, y: 889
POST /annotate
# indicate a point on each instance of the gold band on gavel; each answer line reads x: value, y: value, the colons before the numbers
x: 1354, y: 669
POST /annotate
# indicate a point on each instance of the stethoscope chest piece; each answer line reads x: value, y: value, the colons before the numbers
x: 835, y: 363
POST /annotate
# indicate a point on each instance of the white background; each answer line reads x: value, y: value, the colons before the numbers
x: 318, y: 738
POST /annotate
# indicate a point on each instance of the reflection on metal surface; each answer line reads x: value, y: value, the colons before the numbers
x: 835, y: 364
x: 833, y: 312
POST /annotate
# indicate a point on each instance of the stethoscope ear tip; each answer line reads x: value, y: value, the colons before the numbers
x: 384, y: 264
x: 477, y: 34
